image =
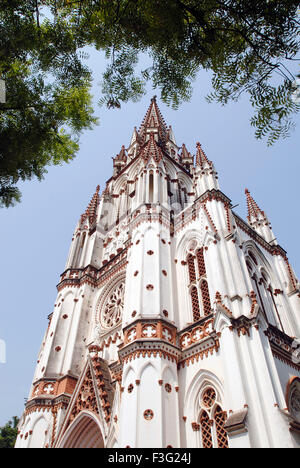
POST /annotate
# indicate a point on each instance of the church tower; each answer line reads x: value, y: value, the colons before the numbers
x: 176, y: 323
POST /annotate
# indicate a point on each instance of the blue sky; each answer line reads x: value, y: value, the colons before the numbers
x: 36, y: 235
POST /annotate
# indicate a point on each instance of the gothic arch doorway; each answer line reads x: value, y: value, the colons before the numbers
x: 84, y: 432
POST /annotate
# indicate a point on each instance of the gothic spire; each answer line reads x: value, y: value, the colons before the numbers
x: 154, y: 123
x: 186, y: 158
x: 254, y: 212
x: 135, y: 137
x: 120, y: 160
x: 122, y: 155
x: 170, y: 135
x: 91, y: 211
x: 201, y: 159
x: 206, y: 175
x: 258, y: 219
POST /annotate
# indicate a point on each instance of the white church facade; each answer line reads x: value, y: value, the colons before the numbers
x: 176, y: 323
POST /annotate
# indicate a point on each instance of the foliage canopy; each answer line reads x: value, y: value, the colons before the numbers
x: 47, y: 87
x: 247, y: 46
x: 8, y: 434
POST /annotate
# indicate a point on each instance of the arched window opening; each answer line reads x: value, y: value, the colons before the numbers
x: 212, y: 421
x: 191, y: 267
x: 264, y: 277
x: 80, y: 250
x: 201, y: 290
x: 258, y: 295
x: 205, y: 298
x: 252, y: 257
x: 83, y: 240
x: 249, y: 266
x: 125, y: 199
x: 151, y: 187
x: 220, y: 421
x: 118, y: 215
x: 179, y: 195
x: 195, y: 304
x: 270, y: 291
x: 201, y: 263
x: 170, y: 194
x: 206, y: 435
x: 274, y: 316
x: 267, y: 299
x: 185, y: 196
x: 264, y: 292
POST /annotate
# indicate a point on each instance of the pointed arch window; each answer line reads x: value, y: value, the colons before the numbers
x: 80, y: 250
x: 206, y: 304
x: 253, y: 258
x: 122, y: 205
x: 201, y: 304
x: 206, y: 435
x: 264, y: 291
x: 272, y: 306
x: 191, y: 267
x: 201, y: 263
x: 220, y: 421
x: 205, y: 298
x: 185, y: 195
x: 151, y: 187
x: 180, y: 195
x: 212, y: 421
x: 195, y: 304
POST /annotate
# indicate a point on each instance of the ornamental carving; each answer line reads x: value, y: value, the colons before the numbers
x: 48, y: 389
x: 168, y: 388
x: 199, y: 333
x: 86, y: 399
x: 150, y: 330
x: 148, y: 414
x: 112, y: 311
x: 192, y: 245
x: 130, y: 388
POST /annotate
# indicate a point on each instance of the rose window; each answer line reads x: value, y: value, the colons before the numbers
x: 294, y: 400
x: 112, y: 310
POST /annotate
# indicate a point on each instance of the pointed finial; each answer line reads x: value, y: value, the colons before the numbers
x: 153, y: 119
x: 201, y: 158
x: 253, y: 209
x: 122, y: 155
x: 184, y: 153
x: 91, y: 211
